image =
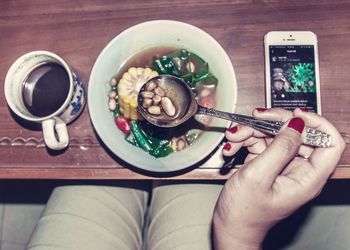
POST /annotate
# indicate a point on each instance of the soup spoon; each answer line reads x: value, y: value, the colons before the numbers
x: 183, y: 106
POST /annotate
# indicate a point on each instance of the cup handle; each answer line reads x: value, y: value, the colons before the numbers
x: 51, y: 126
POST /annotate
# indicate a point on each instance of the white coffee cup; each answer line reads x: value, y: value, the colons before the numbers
x: 54, y: 125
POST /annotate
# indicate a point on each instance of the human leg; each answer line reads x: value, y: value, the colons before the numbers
x: 180, y: 216
x: 91, y: 217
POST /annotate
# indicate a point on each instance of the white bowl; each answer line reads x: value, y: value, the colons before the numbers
x: 147, y: 35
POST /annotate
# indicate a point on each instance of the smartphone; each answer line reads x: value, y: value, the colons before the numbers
x: 292, y: 70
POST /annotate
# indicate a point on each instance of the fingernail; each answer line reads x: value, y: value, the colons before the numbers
x: 261, y: 109
x: 233, y: 129
x: 304, y: 109
x: 297, y: 124
x: 227, y: 146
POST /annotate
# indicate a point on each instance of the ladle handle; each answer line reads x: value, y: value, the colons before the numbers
x: 313, y: 137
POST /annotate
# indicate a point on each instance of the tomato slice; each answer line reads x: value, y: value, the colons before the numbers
x: 123, y: 124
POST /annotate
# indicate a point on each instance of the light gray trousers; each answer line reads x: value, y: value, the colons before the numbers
x: 178, y: 218
x: 106, y: 218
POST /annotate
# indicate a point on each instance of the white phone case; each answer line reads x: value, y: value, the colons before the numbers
x: 292, y: 39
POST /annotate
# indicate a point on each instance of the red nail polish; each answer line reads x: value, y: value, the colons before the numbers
x: 261, y: 109
x: 304, y: 109
x: 227, y: 146
x: 297, y: 124
x: 233, y: 129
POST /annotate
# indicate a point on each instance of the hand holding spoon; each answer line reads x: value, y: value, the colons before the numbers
x: 183, y: 105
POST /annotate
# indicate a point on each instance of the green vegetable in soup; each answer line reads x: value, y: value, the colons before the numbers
x: 160, y: 148
x: 192, y: 135
x: 165, y: 65
x: 186, y: 65
x: 140, y: 137
x: 156, y: 147
x: 130, y: 138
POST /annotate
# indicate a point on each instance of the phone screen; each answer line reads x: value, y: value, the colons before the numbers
x: 293, y: 79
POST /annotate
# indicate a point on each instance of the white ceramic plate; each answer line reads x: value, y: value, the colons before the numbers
x: 147, y: 35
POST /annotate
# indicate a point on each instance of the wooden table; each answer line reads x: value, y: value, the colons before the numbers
x: 78, y: 30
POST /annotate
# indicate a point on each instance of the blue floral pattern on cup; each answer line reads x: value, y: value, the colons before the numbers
x: 77, y: 102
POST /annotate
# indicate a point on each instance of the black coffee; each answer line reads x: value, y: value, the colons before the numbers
x: 45, y: 89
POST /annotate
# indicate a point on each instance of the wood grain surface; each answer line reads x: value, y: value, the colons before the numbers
x: 79, y: 30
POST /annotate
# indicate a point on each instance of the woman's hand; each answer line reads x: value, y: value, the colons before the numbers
x: 278, y: 177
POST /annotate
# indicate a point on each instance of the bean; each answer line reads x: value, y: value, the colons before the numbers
x: 168, y: 106
x: 112, y: 104
x: 159, y: 91
x: 181, y: 144
x: 173, y: 143
x: 190, y: 67
x: 154, y: 110
x: 151, y: 86
x: 177, y: 62
x: 113, y: 81
x: 112, y: 94
x: 147, y: 94
x: 156, y: 100
x: 146, y: 102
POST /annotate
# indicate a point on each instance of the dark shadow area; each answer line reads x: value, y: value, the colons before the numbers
x: 55, y: 152
x: 231, y: 162
x: 39, y: 191
x: 285, y: 232
x: 25, y: 191
x: 336, y: 192
x: 24, y: 123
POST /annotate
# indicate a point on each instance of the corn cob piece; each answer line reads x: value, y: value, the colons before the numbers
x: 128, y: 88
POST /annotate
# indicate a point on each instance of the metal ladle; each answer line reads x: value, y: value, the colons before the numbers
x: 186, y: 106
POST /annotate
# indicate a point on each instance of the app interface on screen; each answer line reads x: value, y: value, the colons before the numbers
x: 293, y: 79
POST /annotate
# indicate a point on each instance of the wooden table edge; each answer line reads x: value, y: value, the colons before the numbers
x: 61, y: 173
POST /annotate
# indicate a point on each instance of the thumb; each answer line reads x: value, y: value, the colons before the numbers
x: 279, y: 153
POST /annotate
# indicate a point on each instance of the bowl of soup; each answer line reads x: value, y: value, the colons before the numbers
x: 144, y: 51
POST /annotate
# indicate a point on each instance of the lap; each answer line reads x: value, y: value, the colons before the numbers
x: 104, y: 217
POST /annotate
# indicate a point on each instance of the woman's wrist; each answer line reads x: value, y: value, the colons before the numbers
x: 230, y: 235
